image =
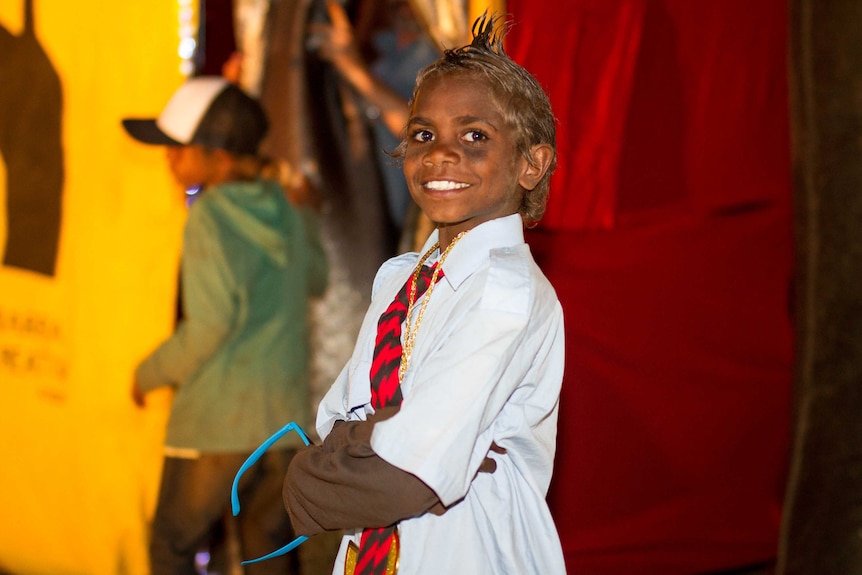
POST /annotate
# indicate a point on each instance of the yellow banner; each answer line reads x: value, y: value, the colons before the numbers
x: 90, y: 229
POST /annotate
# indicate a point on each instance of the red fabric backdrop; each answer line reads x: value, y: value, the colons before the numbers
x: 669, y: 240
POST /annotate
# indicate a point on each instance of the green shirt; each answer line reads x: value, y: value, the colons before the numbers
x: 239, y: 358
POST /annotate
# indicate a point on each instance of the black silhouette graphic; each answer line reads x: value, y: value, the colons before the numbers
x: 31, y: 106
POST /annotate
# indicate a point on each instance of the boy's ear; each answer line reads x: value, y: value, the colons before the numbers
x: 222, y: 156
x: 534, y: 171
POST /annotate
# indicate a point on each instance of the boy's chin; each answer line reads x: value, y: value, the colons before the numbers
x: 188, y: 185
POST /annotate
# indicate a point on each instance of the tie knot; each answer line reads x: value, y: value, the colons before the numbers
x: 427, y: 271
x: 424, y: 278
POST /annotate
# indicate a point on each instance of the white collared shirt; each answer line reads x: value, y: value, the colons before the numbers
x: 487, y: 367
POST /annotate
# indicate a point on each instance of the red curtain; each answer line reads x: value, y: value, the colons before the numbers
x: 668, y: 237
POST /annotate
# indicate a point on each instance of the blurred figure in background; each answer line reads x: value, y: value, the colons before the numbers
x: 238, y: 360
x: 382, y: 68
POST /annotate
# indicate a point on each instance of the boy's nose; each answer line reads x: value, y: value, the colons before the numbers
x: 442, y: 152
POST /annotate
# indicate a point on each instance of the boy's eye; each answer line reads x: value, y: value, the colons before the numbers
x: 423, y: 136
x: 475, y: 136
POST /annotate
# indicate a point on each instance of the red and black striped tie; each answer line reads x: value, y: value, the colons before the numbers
x: 375, y: 544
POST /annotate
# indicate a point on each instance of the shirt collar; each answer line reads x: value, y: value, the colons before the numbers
x: 474, y: 248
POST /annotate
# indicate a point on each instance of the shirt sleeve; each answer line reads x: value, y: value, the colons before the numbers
x: 208, y: 305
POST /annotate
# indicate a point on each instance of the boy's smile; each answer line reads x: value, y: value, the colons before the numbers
x: 461, y: 160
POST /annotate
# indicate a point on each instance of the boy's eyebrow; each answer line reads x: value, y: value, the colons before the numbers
x: 475, y: 119
x: 460, y: 120
x: 418, y: 120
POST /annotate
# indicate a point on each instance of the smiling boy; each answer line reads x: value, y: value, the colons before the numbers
x: 440, y: 431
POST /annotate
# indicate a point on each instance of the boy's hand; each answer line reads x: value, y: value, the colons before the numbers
x: 488, y: 464
x: 138, y: 396
x: 231, y: 70
x: 335, y: 41
x: 345, y: 432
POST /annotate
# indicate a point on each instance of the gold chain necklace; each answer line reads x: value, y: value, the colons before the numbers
x: 410, y: 330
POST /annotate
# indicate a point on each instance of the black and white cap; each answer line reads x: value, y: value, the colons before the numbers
x: 209, y: 111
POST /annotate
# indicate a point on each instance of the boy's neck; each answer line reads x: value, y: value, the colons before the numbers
x: 226, y: 167
x: 445, y: 234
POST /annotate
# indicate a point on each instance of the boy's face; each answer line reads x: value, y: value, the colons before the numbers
x: 461, y: 161
x: 191, y: 165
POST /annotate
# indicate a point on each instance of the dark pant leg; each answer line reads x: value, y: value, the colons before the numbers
x: 194, y: 494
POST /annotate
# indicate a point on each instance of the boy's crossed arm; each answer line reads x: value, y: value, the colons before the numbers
x: 343, y: 484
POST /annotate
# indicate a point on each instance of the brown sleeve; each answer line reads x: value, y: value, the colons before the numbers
x: 344, y: 432
x: 343, y: 484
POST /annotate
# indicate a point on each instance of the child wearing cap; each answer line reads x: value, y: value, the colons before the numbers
x: 238, y: 359
x: 440, y: 431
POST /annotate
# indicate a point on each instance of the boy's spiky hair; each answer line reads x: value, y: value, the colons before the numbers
x: 523, y: 102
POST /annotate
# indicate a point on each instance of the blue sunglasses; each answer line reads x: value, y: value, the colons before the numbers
x: 252, y: 459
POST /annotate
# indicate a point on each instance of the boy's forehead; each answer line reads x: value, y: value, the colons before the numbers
x: 478, y: 84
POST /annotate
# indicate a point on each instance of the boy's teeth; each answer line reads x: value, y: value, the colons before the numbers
x: 444, y: 185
